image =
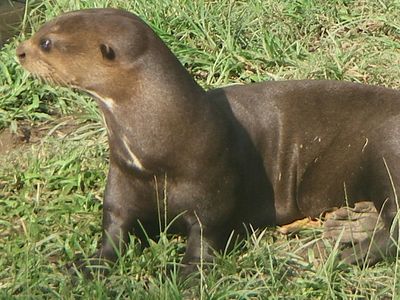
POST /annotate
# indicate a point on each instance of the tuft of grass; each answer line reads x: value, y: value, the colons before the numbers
x: 51, y: 190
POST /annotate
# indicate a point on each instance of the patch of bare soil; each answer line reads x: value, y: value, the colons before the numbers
x: 28, y: 134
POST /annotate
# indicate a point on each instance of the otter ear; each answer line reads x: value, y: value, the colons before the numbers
x: 107, y: 52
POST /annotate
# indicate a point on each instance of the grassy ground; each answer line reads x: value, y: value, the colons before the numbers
x: 53, y: 151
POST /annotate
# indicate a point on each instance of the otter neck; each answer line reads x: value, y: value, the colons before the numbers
x: 159, y: 113
x: 156, y: 81
x: 168, y: 80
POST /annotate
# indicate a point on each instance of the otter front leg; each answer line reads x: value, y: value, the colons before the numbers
x: 201, y: 243
x: 125, y: 203
x: 116, y: 227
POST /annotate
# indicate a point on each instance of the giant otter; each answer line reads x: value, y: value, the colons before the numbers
x: 259, y: 154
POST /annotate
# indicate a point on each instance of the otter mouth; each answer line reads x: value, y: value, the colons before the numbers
x: 48, y: 74
x: 45, y: 72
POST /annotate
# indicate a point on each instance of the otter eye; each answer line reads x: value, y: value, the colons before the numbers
x: 45, y: 45
x: 107, y: 52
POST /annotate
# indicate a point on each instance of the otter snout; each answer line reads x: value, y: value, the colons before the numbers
x: 21, y: 52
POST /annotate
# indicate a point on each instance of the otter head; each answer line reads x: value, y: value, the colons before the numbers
x: 95, y: 50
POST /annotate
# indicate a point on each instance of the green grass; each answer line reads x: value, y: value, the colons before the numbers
x: 51, y: 190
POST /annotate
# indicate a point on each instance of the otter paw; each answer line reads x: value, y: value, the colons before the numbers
x: 360, y: 232
x: 353, y: 224
x: 369, y: 251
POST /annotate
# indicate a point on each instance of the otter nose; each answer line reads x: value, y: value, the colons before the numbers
x: 21, y: 52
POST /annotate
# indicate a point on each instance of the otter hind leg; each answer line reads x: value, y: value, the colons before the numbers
x: 382, y: 185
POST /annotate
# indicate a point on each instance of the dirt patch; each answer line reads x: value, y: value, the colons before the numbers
x: 28, y: 134
x: 12, y: 140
